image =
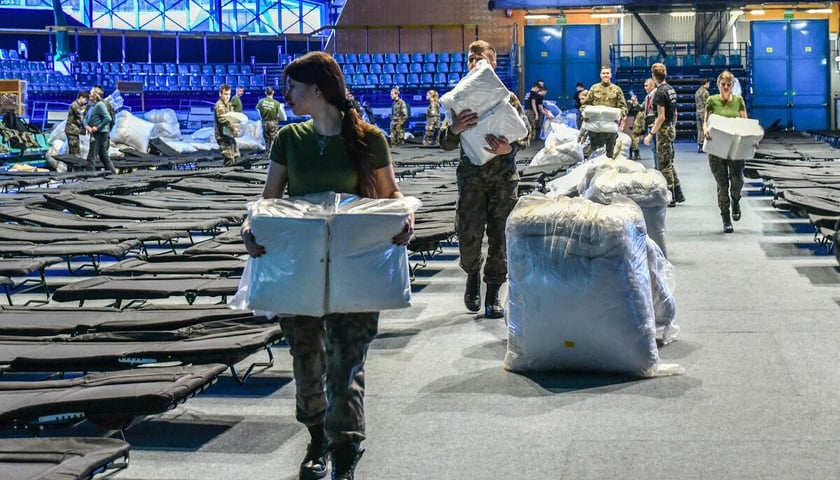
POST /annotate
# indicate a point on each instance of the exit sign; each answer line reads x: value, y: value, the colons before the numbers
x: 788, y: 15
x: 561, y: 20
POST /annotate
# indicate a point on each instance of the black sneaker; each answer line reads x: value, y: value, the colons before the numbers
x: 314, y: 464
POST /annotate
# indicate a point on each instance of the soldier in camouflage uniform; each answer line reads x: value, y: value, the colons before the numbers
x: 75, y: 125
x: 665, y: 102
x: 269, y: 110
x: 486, y: 195
x: 432, y: 117
x: 226, y: 141
x: 605, y: 94
x: 236, y: 100
x: 700, y: 98
x: 399, y: 115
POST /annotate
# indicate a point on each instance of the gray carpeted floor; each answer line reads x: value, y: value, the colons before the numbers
x: 759, y: 312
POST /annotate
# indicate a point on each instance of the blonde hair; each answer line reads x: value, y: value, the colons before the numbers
x: 433, y: 94
x: 659, y: 72
x: 481, y: 47
x: 724, y: 76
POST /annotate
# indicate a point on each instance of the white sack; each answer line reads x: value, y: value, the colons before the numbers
x: 237, y: 120
x: 580, y: 295
x: 179, y: 146
x: 662, y: 292
x: 132, y: 131
x: 57, y: 132
x: 502, y: 120
x: 479, y: 91
x: 166, y: 123
x: 598, y: 118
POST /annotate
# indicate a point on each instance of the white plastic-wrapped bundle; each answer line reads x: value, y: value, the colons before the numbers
x: 662, y: 293
x: 601, y: 119
x: 290, y: 277
x: 647, y: 187
x: 483, y: 92
x: 367, y: 272
x: 327, y: 253
x: 166, y: 123
x: 132, y: 131
x: 179, y: 146
x: 237, y: 120
x: 580, y: 295
x: 561, y: 147
x: 57, y: 132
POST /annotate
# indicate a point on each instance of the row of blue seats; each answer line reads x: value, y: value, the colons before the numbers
x: 23, y: 65
x: 164, y: 68
x: 394, y: 58
x: 375, y: 68
x: 677, y: 60
x: 399, y: 80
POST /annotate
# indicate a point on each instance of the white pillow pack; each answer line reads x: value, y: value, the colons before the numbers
x: 328, y: 253
x: 132, y: 131
x: 483, y: 92
x: 601, y: 119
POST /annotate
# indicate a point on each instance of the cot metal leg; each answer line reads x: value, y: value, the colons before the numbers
x: 240, y: 379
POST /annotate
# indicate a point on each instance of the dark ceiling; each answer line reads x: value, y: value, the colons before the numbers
x: 636, y: 5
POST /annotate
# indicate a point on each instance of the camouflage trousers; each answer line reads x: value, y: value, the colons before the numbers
x: 73, y: 147
x: 600, y: 139
x: 397, y: 133
x: 700, y: 135
x: 270, y: 129
x: 532, y: 124
x: 486, y: 195
x: 432, y: 124
x: 665, y: 155
x: 229, y: 149
x: 729, y: 176
x: 638, y: 130
x: 328, y: 359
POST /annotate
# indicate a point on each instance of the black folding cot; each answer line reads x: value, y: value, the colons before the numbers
x: 71, y: 458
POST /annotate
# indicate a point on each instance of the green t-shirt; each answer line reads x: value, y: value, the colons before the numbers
x: 730, y: 109
x: 269, y: 109
x: 311, y: 170
x: 236, y: 103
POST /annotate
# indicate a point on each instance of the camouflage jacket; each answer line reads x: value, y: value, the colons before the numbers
x: 75, y: 118
x: 700, y: 98
x: 433, y: 110
x: 451, y: 141
x: 399, y: 111
x: 606, y: 95
x: 219, y: 110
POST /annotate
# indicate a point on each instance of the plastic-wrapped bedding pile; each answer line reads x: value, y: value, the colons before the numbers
x: 561, y: 148
x: 327, y: 253
x: 484, y: 93
x: 647, y: 187
x: 580, y: 291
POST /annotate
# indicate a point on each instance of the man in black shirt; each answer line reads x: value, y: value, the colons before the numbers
x: 665, y: 101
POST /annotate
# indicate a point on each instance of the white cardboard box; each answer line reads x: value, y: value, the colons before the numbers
x: 732, y: 138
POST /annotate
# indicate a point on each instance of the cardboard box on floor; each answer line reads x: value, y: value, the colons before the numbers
x: 733, y: 138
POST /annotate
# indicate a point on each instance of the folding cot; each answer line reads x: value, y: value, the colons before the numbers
x: 177, y: 264
x: 110, y: 399
x: 146, y: 287
x: 87, y: 205
x: 21, y: 267
x: 180, y: 200
x: 216, y: 247
x: 93, y: 250
x: 61, y: 458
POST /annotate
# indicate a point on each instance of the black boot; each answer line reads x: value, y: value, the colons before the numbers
x: 678, y: 194
x: 736, y: 210
x: 472, y: 294
x: 345, y: 457
x: 635, y: 155
x: 673, y: 202
x: 314, y: 464
x: 492, y: 304
x: 727, y: 224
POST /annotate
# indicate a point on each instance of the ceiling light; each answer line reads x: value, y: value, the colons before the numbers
x: 607, y: 15
x: 757, y: 11
x: 819, y: 10
x: 536, y: 16
x: 682, y: 14
x: 737, y: 12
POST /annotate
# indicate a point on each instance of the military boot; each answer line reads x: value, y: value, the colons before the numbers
x: 472, y: 294
x: 345, y: 457
x: 736, y: 210
x: 314, y: 464
x: 678, y: 194
x: 727, y: 223
x: 492, y: 305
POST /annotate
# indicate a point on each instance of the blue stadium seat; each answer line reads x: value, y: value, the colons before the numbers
x: 195, y: 69
x: 233, y: 69
x: 415, y: 68
x: 244, y: 81
x: 671, y: 61
x: 720, y: 59
x: 358, y: 80
x: 625, y: 61
x: 689, y: 60
x: 456, y: 67
x: 390, y: 58
x: 246, y: 69
x: 430, y: 57
x: 439, y: 80
x: 371, y: 79
x: 399, y: 79
x: 364, y: 58
x: 402, y: 68
x: 351, y: 58
x: 440, y: 67
x: 735, y: 59
x: 362, y: 68
x: 639, y: 61
x: 653, y: 59
x: 375, y: 68
x: 348, y: 69
x: 386, y: 80
x: 443, y: 57
x: 457, y: 57
x: 219, y: 69
x: 429, y: 68
x: 417, y: 57
x: 453, y: 78
x: 377, y: 58
x: 413, y: 80
x: 403, y: 58
x: 158, y: 69
x: 339, y: 57
x: 257, y: 81
x: 4, y: 54
x: 207, y: 69
x: 183, y: 69
x: 389, y: 68
x: 705, y: 60
x: 426, y: 80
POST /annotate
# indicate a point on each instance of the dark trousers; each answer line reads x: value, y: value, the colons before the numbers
x: 729, y: 177
x: 100, y: 141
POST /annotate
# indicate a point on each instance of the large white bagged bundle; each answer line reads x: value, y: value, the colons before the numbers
x: 367, y: 272
x: 166, y: 123
x: 662, y: 292
x: 237, y: 120
x: 483, y: 92
x: 733, y: 138
x: 132, y: 131
x: 291, y: 276
x: 57, y: 132
x: 502, y: 120
x: 479, y: 90
x: 647, y: 187
x: 601, y: 119
x: 179, y: 146
x: 580, y: 295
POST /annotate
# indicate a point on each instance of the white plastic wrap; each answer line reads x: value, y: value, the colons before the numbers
x: 479, y: 90
x: 501, y: 120
x: 237, y: 120
x: 561, y: 147
x: 166, y: 123
x: 179, y: 146
x: 580, y: 290
x: 57, y: 132
x: 647, y: 187
x: 483, y: 92
x: 662, y: 292
x: 733, y: 138
x: 601, y: 119
x: 328, y: 253
x: 132, y: 131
